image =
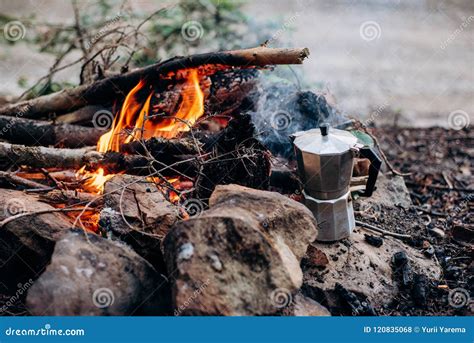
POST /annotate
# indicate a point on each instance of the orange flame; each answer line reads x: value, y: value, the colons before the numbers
x: 190, y: 109
x: 134, y: 122
x: 133, y: 119
x: 94, y: 181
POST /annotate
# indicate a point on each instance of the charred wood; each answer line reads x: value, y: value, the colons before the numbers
x: 43, y: 157
x: 34, y: 132
x: 236, y: 157
x: 68, y: 198
x: 112, y: 162
x: 161, y: 147
x: 82, y: 115
x: 106, y: 90
x: 18, y: 181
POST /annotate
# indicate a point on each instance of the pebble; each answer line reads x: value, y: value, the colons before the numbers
x: 437, y: 232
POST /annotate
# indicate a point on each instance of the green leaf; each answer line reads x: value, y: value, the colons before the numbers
x: 363, y: 138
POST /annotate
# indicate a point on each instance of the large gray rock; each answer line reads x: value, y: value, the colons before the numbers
x: 241, y: 256
x: 26, y: 244
x: 91, y: 275
x: 236, y: 266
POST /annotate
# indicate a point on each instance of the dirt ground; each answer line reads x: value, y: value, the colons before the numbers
x: 440, y: 222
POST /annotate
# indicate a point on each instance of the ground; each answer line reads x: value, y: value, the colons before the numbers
x: 441, y: 221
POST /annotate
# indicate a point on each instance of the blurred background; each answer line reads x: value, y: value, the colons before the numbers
x: 405, y: 62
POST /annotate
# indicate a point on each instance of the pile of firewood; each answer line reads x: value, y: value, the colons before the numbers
x: 80, y: 115
x: 48, y: 142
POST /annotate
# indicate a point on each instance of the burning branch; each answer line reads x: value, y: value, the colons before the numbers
x: 20, y: 181
x: 110, y: 88
x: 43, y: 157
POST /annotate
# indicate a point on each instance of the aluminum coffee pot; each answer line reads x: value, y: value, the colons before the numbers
x: 325, y: 159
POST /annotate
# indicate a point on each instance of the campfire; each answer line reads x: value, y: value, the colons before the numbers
x: 136, y: 121
x: 194, y: 175
x: 174, y: 130
x: 170, y: 126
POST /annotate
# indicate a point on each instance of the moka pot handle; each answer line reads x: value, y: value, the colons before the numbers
x: 374, y: 168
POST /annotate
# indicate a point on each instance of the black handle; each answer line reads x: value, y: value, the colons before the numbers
x: 375, y: 164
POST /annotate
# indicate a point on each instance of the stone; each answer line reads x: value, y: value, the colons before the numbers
x: 391, y: 191
x: 373, y: 240
x: 26, y: 244
x: 242, y: 255
x: 437, y: 232
x: 302, y: 306
x: 355, y: 304
x: 137, y: 213
x: 141, y: 203
x: 463, y: 233
x: 364, y: 269
x: 286, y: 220
x: 316, y: 257
x: 236, y: 265
x: 90, y: 275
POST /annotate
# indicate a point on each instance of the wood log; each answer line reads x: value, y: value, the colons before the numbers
x: 16, y: 180
x: 34, y: 132
x: 64, y: 175
x: 82, y: 115
x: 106, y: 90
x: 159, y: 147
x: 112, y: 162
x: 43, y: 157
x: 68, y: 198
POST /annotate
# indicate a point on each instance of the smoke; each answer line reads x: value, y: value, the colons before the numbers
x: 281, y: 109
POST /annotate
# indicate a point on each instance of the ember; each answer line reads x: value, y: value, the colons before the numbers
x: 93, y: 182
x: 135, y: 123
